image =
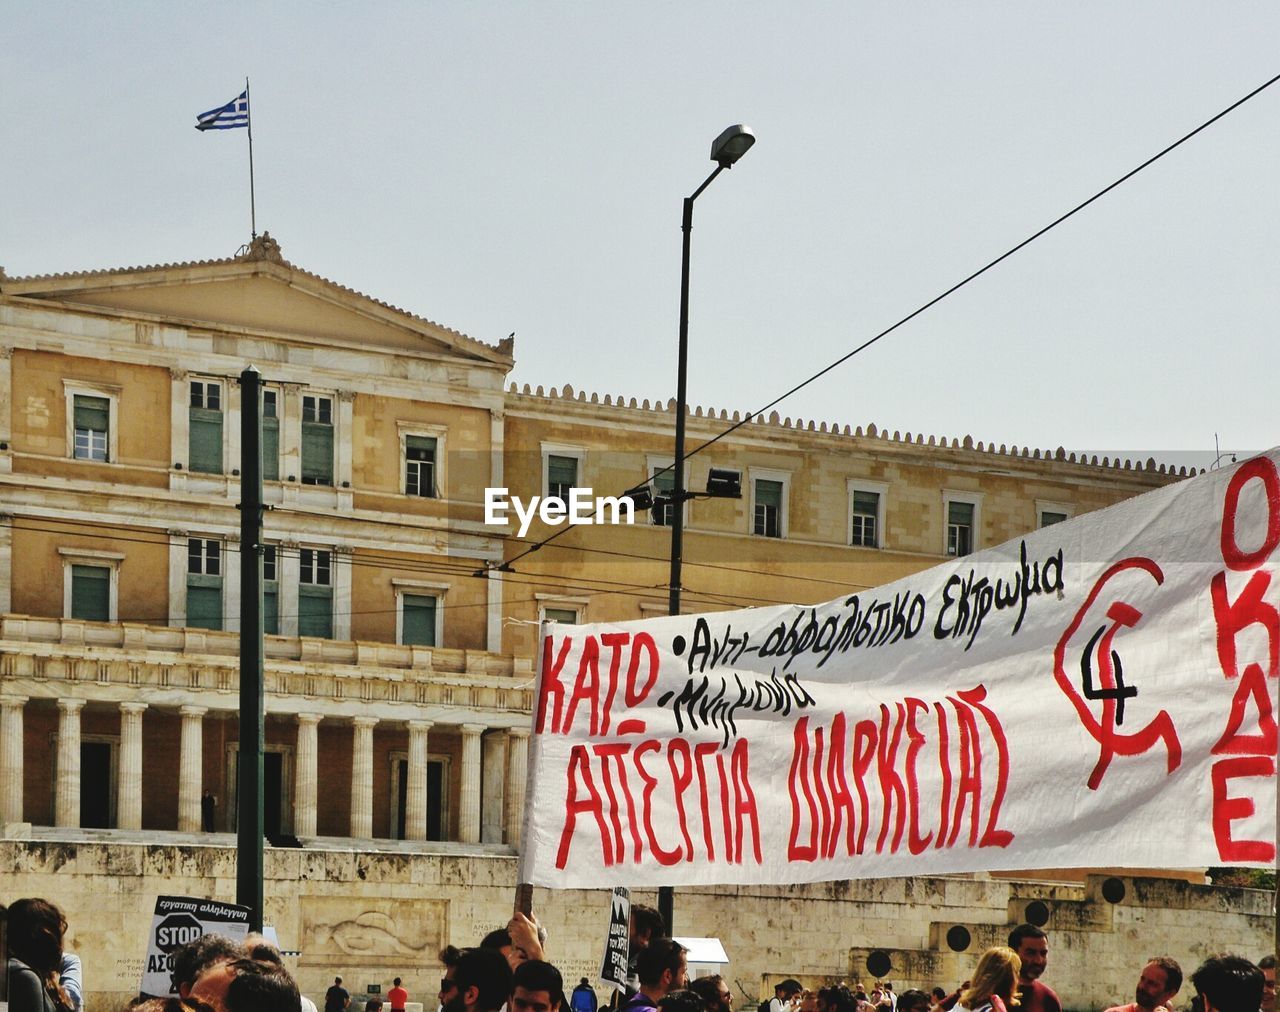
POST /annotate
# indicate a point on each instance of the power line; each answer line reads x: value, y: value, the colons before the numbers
x: 936, y: 299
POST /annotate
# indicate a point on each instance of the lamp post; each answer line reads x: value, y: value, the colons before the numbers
x: 726, y: 149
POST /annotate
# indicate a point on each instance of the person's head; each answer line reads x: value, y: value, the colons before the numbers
x: 996, y: 973
x: 714, y: 992
x: 373, y: 1005
x: 169, y: 1005
x: 680, y: 1001
x: 395, y: 982
x: 194, y: 958
x: 913, y: 1001
x: 662, y: 968
x: 1228, y: 984
x: 808, y: 1001
x: 646, y: 925
x: 256, y: 946
x: 536, y: 986
x: 449, y: 956
x: 35, y: 931
x: 337, y: 982
x: 481, y: 981
x: 938, y: 994
x: 1267, y: 964
x: 836, y: 998
x: 1160, y: 980
x: 787, y: 989
x: 248, y: 985
x: 1032, y: 946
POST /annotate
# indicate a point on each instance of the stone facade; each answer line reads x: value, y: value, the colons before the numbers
x: 370, y: 915
x: 402, y: 646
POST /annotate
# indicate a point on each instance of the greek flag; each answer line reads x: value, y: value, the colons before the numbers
x: 226, y: 117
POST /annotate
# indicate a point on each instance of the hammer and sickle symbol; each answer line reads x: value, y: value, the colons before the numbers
x: 1107, y: 684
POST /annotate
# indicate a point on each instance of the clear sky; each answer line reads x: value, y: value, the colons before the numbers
x: 499, y: 167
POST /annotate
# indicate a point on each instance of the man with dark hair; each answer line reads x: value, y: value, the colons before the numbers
x: 337, y: 998
x: 913, y: 1001
x: 373, y: 1005
x: 714, y: 992
x: 397, y: 996
x: 583, y: 998
x: 1228, y: 984
x: 680, y: 1001
x: 661, y: 968
x: 196, y: 957
x: 247, y: 985
x: 536, y: 986
x: 1032, y: 946
x: 1267, y: 964
x: 481, y: 981
x: 1160, y: 981
x: 836, y: 998
x: 449, y: 956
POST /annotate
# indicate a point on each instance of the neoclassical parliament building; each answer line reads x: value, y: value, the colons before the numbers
x: 401, y: 627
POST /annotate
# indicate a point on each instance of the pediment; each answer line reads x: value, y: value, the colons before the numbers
x: 258, y: 293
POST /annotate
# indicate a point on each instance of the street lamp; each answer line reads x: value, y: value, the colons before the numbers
x: 726, y: 149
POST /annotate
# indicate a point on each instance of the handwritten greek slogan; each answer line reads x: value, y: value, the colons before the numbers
x: 1098, y: 693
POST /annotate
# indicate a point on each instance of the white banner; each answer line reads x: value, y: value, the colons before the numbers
x: 1098, y: 693
x: 178, y: 921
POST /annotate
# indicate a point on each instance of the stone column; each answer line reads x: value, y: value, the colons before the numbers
x: 129, y: 779
x: 469, y: 795
x: 415, y: 795
x: 362, y: 777
x: 517, y: 771
x: 493, y: 764
x: 67, y: 789
x: 11, y: 758
x: 190, y: 768
x: 306, y: 776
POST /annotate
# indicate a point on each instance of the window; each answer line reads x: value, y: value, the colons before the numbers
x: 418, y: 620
x: 664, y: 484
x: 270, y: 592
x: 315, y: 592
x: 960, y: 523
x: 204, y: 583
x: 865, y: 528
x: 1050, y: 513
x: 566, y: 615
x: 90, y: 583
x: 92, y: 427
x: 317, y: 440
x: 205, y: 427
x: 562, y: 475
x: 91, y: 593
x: 766, y: 509
x: 270, y: 434
x: 420, y: 466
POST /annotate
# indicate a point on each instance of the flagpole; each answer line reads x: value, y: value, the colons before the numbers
x: 248, y: 108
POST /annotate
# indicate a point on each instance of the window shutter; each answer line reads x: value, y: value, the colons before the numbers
x: 91, y: 593
x: 419, y: 620
x: 769, y: 493
x: 270, y: 610
x: 270, y: 449
x: 317, y: 453
x: 206, y: 441
x: 204, y: 603
x: 92, y: 413
x: 315, y: 611
x: 563, y: 471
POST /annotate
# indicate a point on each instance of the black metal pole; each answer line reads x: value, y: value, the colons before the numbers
x: 249, y: 815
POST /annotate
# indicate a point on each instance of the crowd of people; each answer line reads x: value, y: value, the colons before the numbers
x: 509, y: 971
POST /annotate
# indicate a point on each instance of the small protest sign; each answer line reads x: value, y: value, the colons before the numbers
x: 617, y: 941
x: 178, y: 921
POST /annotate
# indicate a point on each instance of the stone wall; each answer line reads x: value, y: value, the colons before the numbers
x: 369, y: 916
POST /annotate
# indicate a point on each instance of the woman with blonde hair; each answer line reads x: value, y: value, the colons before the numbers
x: 994, y: 986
